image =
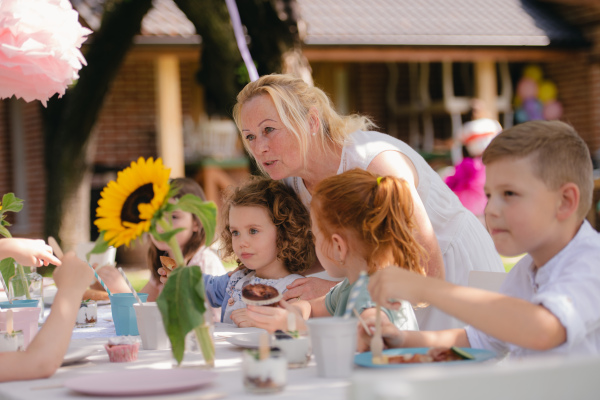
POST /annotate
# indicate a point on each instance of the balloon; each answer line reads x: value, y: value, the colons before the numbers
x: 527, y: 89
x: 553, y: 110
x: 533, y: 108
x: 521, y: 116
x: 547, y: 91
x: 533, y: 72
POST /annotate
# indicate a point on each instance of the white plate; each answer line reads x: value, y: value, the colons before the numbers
x: 78, y: 354
x: 246, y: 340
x: 138, y: 382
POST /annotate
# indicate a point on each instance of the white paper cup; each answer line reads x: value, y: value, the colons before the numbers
x: 151, y: 328
x: 334, y: 345
x: 102, y: 259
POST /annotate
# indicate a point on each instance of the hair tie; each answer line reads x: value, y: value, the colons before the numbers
x: 379, y: 180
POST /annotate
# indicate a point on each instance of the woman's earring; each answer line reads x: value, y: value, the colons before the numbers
x: 314, y: 133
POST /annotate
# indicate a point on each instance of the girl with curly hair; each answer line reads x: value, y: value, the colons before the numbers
x: 361, y: 222
x: 266, y: 229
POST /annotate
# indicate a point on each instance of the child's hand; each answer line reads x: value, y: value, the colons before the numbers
x: 28, y: 252
x: 392, y: 336
x: 391, y: 284
x: 268, y: 318
x: 164, y: 274
x: 74, y: 274
x: 113, y: 279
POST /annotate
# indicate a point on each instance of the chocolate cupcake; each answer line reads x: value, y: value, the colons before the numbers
x: 261, y: 295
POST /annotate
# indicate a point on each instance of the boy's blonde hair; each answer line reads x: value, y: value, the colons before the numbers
x: 294, y: 99
x: 378, y: 211
x: 559, y: 155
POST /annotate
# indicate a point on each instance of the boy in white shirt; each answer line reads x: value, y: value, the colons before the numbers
x: 539, y: 187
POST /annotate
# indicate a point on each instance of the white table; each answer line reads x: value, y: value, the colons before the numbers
x: 302, y: 383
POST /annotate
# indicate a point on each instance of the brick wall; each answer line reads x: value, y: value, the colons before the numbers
x: 125, y: 131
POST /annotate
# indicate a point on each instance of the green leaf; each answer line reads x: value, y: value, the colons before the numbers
x: 165, y: 236
x: 181, y: 304
x: 7, y: 268
x: 206, y: 211
x: 11, y: 203
x: 4, y: 232
x: 100, y: 246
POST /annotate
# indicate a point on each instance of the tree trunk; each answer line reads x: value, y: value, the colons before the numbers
x: 68, y: 121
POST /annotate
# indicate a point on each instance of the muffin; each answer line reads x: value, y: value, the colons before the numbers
x: 261, y: 295
x: 122, y: 348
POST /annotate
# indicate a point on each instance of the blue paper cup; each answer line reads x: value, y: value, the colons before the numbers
x: 20, y: 303
x: 121, y: 305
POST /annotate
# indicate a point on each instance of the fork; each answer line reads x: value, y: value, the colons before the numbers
x: 376, y: 340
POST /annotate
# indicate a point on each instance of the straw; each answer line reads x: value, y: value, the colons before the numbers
x: 362, y: 279
x: 101, y: 281
x: 363, y: 323
x: 5, y: 288
x: 130, y: 286
x: 9, y: 321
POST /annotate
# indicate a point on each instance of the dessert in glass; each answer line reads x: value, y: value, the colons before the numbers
x: 87, y: 314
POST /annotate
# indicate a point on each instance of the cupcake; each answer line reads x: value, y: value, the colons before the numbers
x: 261, y: 295
x: 122, y: 348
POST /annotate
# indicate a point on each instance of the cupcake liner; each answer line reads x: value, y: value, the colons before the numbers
x: 271, y: 301
x: 122, y: 352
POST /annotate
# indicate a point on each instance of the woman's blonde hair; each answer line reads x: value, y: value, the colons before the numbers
x: 378, y: 211
x: 294, y: 101
x: 291, y: 219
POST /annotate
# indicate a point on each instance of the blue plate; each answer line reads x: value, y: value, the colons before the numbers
x: 365, y: 359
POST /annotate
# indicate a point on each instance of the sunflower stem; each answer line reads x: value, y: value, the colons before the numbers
x: 173, y: 244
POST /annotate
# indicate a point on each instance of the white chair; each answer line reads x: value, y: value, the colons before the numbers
x: 486, y: 280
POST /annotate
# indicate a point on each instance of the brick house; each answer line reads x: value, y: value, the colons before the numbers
x: 369, y: 56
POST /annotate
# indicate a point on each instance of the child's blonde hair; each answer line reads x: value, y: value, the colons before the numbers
x: 376, y: 211
x: 294, y: 99
x: 559, y: 155
x: 294, y: 238
x: 184, y: 186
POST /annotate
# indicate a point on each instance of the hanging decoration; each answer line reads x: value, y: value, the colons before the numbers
x: 39, y: 48
x: 240, y: 38
x: 536, y: 97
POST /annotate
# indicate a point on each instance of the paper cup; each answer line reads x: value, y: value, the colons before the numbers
x: 333, y: 342
x: 121, y: 306
x: 102, y: 259
x: 151, y: 327
x: 24, y: 319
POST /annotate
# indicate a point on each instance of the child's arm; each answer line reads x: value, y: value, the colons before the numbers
x: 394, y: 337
x: 214, y: 287
x: 506, y: 318
x: 45, y: 353
x: 28, y: 252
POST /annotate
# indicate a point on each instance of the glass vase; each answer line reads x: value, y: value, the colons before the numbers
x: 26, y: 283
x: 199, y: 346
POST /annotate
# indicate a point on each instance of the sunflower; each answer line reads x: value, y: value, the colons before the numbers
x: 127, y: 206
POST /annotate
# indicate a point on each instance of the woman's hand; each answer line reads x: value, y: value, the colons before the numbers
x: 308, y: 288
x: 28, y: 252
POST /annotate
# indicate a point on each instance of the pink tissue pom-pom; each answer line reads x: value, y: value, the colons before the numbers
x: 39, y: 48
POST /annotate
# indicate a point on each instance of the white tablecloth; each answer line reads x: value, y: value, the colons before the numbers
x: 302, y: 383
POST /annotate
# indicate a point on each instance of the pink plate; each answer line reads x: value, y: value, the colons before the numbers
x: 140, y: 382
